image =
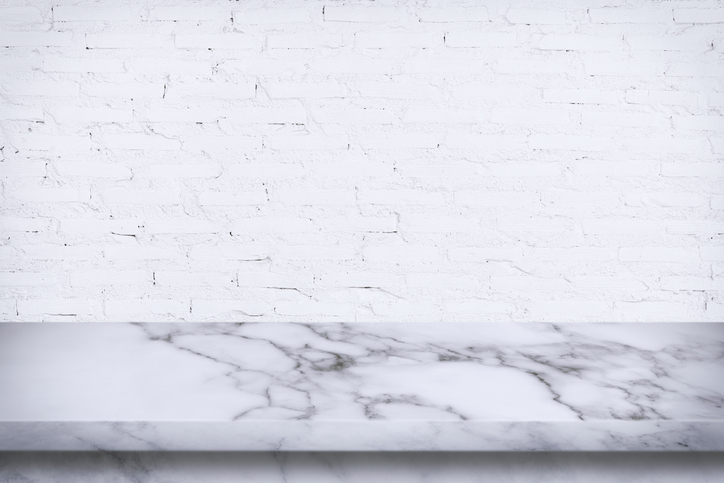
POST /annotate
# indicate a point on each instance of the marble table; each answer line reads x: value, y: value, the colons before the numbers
x: 362, y: 386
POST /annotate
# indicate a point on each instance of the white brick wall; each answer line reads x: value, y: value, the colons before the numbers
x: 323, y: 160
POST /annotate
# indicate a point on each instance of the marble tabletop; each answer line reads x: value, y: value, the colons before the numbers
x: 362, y: 386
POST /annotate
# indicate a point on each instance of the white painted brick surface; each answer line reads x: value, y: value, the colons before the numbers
x: 355, y: 161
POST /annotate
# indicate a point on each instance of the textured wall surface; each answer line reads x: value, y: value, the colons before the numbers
x: 362, y: 161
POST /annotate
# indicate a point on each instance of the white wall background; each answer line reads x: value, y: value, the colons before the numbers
x: 362, y: 161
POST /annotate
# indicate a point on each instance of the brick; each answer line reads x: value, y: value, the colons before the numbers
x: 474, y: 254
x: 267, y: 16
x: 711, y: 254
x: 521, y: 170
x: 308, y: 142
x: 221, y: 143
x: 478, y: 306
x: 142, y: 141
x: 450, y: 14
x: 36, y: 39
x: 95, y: 278
x: 315, y: 252
x: 25, y: 15
x: 126, y: 41
x: 142, y: 308
x: 53, y: 143
x: 513, y: 117
x: 439, y: 224
x: 581, y: 96
x: 402, y: 253
x: 616, y: 168
x: 444, y: 116
x: 401, y: 197
x: 579, y: 42
x: 42, y: 89
x: 479, y: 39
x: 314, y: 197
x: 570, y: 309
x: 399, y: 141
x: 265, y: 170
x: 624, y: 119
x: 314, y: 308
x: 128, y: 253
x: 695, y: 227
x: 229, y: 252
x: 25, y: 168
x: 17, y: 224
x: 273, y: 224
x: 609, y: 15
x: 361, y: 280
x: 66, y: 307
x: 581, y: 198
x: 650, y: 310
x: 170, y: 67
x: 574, y: 254
x: 623, y: 226
x: 569, y: 142
x: 394, y: 40
x: 532, y: 225
x: 298, y: 90
x: 669, y: 43
x: 69, y: 64
x: 362, y: 14
x: 352, y: 116
x: 389, y: 90
x: 207, y: 278
x: 695, y: 69
x: 217, y: 41
x: 119, y: 195
x: 692, y: 169
x: 216, y: 198
x: 79, y: 169
x: 704, y: 123
x: 442, y: 281
x: 531, y: 66
x: 27, y: 279
x: 678, y: 283
x: 59, y: 252
x: 607, y: 67
x: 79, y: 115
x: 216, y: 308
x: 193, y: 14
x: 490, y: 142
x: 530, y: 284
x: 202, y: 115
x: 536, y: 17
x: 358, y: 224
x: 216, y: 90
x: 66, y: 13
x: 89, y: 226
x: 181, y: 226
x: 266, y: 115
x: 666, y: 145
x: 49, y: 195
x: 21, y: 113
x: 658, y: 254
x: 699, y: 15
x: 607, y: 282
x: 665, y: 199
x: 496, y: 198
x: 304, y: 41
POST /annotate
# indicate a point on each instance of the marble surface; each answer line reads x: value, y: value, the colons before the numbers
x: 360, y: 467
x: 356, y: 386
